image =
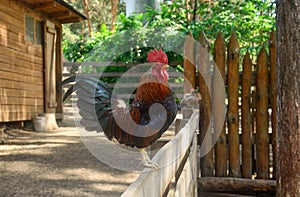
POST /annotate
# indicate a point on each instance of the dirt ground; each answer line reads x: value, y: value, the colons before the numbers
x: 55, y: 163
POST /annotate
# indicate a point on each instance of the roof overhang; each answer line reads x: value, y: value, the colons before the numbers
x: 55, y: 9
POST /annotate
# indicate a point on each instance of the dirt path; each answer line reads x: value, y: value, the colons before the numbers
x: 55, y: 164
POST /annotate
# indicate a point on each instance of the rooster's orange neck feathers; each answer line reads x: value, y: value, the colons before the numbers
x: 153, y: 86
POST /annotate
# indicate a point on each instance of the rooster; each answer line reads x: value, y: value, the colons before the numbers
x: 139, y: 124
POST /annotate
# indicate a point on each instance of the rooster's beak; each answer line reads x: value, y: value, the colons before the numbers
x: 165, y: 66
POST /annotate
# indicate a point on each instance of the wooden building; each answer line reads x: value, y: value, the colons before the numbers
x: 31, y: 56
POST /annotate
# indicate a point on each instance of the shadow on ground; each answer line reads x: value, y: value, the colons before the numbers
x: 56, y: 164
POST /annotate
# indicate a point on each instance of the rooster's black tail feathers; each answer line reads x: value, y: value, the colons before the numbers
x: 94, y: 99
x: 88, y: 85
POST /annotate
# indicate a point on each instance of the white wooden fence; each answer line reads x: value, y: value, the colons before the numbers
x: 178, y: 172
x: 109, y: 71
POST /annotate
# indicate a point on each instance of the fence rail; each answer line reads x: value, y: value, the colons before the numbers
x: 177, y: 175
x: 110, y: 72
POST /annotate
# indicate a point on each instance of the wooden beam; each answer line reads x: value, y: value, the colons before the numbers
x: 70, y: 20
x: 236, y: 185
x: 60, y: 14
x: 45, y: 5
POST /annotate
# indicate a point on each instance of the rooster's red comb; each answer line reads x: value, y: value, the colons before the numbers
x: 157, y: 56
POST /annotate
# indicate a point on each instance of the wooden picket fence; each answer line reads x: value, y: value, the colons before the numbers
x: 246, y: 147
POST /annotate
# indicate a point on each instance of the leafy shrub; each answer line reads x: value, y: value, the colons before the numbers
x: 136, y: 35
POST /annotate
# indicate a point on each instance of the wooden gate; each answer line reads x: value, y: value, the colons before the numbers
x: 50, y: 67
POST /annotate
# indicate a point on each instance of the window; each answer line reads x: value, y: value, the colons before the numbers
x: 39, y: 32
x: 34, y: 31
x: 29, y: 29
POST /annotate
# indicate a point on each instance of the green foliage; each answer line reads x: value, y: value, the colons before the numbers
x: 79, y: 50
x: 135, y: 35
x: 171, y: 15
x: 131, y: 22
x: 251, y: 20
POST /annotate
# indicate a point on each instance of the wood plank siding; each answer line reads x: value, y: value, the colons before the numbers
x: 21, y: 66
x: 30, y: 59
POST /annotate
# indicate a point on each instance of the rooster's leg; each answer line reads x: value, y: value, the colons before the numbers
x: 146, y: 160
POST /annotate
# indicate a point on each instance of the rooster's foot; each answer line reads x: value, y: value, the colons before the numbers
x: 146, y: 160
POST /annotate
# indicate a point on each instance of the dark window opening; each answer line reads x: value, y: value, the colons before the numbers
x: 29, y: 29
x: 39, y: 32
x: 34, y: 30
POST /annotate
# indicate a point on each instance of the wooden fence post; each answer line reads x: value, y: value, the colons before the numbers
x: 188, y: 63
x: 273, y: 96
x: 233, y: 57
x: 246, y: 118
x: 262, y: 137
x: 206, y: 162
x: 218, y: 104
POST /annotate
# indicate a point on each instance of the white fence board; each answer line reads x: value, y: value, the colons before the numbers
x: 186, y: 185
x: 154, y: 183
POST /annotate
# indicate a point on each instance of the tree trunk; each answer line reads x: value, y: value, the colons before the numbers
x: 114, y: 7
x: 86, y: 10
x: 288, y: 88
x: 139, y: 6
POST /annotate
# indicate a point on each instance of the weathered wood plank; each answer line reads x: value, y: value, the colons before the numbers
x: 132, y: 76
x: 262, y: 145
x: 8, y: 36
x: 8, y: 67
x: 28, y: 60
x: 38, y: 93
x: 217, y: 184
x: 17, y: 85
x: 253, y: 108
x: 8, y: 100
x: 17, y: 116
x: 246, y: 118
x: 109, y: 63
x: 154, y: 183
x: 187, y: 182
x: 273, y: 96
x: 13, y: 38
x: 20, y: 108
x: 58, y: 72
x: 11, y: 76
x: 8, y: 64
x: 11, y: 27
x: 204, y: 80
x: 12, y: 9
x: 218, y: 105
x: 233, y: 58
x: 184, y: 181
x: 188, y: 63
x: 118, y: 74
x: 19, y: 22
